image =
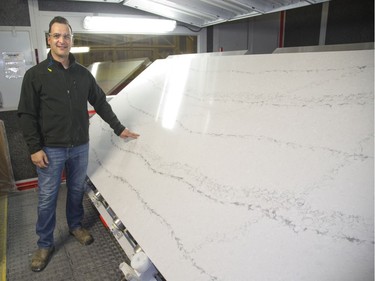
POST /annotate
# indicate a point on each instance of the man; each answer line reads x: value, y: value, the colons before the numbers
x: 54, y: 119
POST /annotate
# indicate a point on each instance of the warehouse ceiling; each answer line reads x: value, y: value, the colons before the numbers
x: 202, y: 13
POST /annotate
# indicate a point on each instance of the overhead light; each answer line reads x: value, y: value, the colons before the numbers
x: 105, y: 1
x: 76, y: 50
x: 128, y: 25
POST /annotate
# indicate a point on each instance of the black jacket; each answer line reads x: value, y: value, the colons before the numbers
x: 53, y: 105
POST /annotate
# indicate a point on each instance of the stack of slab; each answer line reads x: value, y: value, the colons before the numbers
x: 255, y: 167
x: 113, y: 76
x: 6, y: 172
x: 20, y: 161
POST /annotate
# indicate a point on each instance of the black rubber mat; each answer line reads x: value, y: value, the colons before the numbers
x: 70, y: 261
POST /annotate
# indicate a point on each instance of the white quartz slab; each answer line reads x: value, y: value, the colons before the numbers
x: 253, y: 167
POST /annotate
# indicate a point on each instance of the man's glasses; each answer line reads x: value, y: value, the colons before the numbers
x: 66, y: 37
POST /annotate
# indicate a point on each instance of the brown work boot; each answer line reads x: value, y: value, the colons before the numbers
x: 41, y: 258
x: 82, y: 235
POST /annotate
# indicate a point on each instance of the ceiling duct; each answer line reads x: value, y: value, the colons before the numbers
x: 202, y: 13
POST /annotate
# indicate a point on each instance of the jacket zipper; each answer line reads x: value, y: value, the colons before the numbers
x: 70, y: 105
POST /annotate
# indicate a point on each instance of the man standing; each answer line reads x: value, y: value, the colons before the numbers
x: 55, y: 123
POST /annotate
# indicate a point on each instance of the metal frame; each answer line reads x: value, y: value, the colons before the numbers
x: 122, y: 235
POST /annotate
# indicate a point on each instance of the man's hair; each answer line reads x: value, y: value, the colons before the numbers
x: 61, y: 20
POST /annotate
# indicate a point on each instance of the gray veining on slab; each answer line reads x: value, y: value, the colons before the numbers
x: 248, y: 167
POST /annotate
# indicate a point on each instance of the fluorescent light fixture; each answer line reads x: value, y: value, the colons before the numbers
x: 128, y: 25
x: 76, y: 50
x: 105, y: 1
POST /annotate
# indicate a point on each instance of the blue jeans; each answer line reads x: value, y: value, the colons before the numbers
x: 75, y: 161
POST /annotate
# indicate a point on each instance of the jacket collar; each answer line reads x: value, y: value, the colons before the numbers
x: 72, y: 60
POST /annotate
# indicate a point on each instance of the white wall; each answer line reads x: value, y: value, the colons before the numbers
x: 14, y: 40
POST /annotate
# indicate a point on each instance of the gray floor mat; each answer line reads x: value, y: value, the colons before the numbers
x: 71, y: 261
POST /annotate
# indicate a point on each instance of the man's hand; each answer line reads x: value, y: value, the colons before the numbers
x: 128, y: 134
x: 40, y: 159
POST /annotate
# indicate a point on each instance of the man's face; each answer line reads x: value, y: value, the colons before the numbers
x: 60, y: 40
